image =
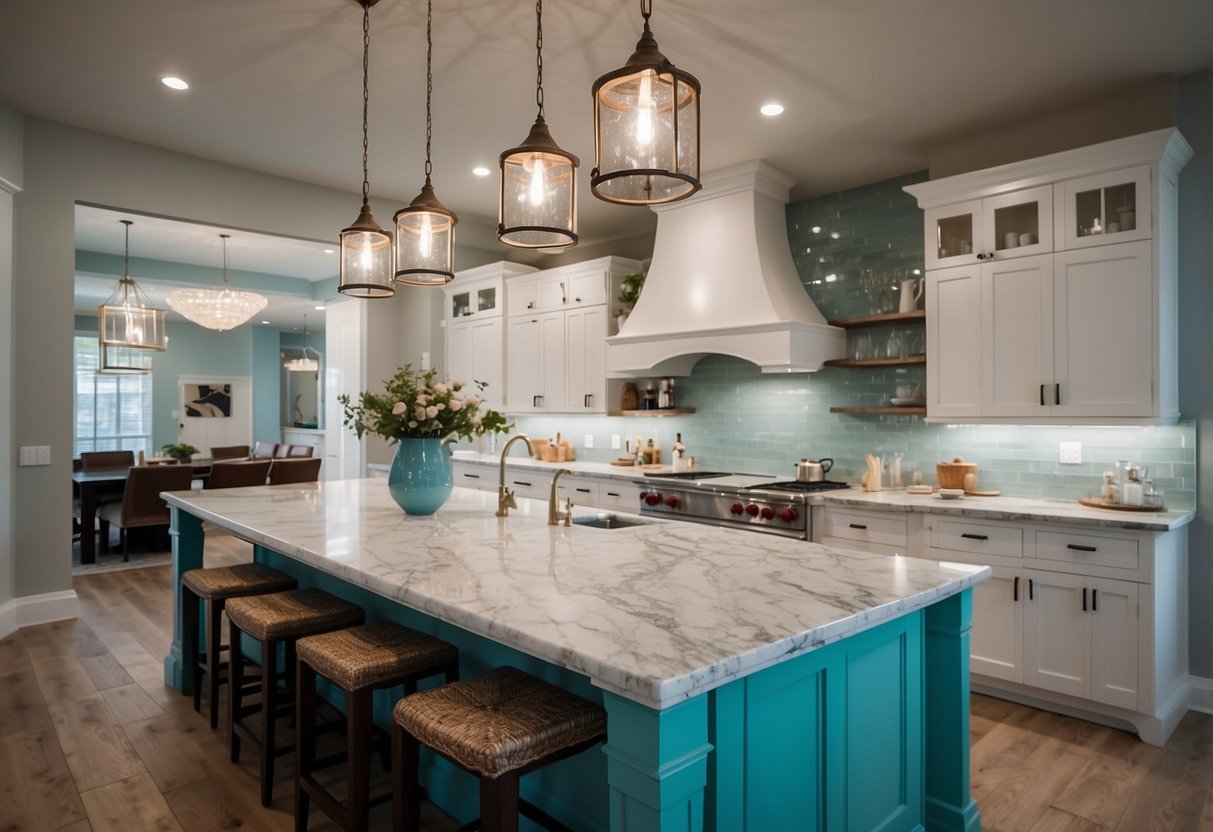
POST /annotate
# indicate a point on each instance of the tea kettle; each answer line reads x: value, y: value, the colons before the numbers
x: 911, y: 293
x: 813, y: 470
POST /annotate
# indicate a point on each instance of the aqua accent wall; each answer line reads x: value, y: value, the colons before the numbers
x: 748, y: 422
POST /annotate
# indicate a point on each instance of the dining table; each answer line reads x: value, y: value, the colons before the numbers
x: 97, y: 484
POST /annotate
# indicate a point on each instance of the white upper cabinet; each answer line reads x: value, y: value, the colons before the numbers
x: 1070, y: 263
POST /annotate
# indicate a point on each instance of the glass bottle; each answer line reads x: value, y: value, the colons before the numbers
x: 1132, y: 494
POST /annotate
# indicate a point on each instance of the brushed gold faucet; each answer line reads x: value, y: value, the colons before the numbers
x: 505, y: 497
x: 559, y: 509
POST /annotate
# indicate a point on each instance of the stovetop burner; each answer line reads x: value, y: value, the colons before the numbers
x: 798, y: 486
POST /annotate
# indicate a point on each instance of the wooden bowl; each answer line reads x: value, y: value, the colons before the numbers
x: 952, y: 474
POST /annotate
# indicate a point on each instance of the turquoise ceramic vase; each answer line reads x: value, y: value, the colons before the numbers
x: 420, y: 478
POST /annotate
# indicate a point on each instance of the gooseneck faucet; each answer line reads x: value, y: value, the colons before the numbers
x: 558, y: 509
x: 505, y: 497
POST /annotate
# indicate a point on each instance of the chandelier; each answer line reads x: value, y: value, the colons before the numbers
x: 117, y: 361
x: 218, y: 309
x: 127, y: 318
x: 646, y: 128
x: 304, y: 363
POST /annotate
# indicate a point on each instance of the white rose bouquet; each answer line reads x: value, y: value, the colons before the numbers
x: 415, y: 405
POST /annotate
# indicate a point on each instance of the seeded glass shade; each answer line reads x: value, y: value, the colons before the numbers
x: 425, y: 241
x: 128, y: 319
x: 217, y: 309
x: 302, y: 364
x: 538, y: 203
x: 366, y: 259
x: 124, y: 360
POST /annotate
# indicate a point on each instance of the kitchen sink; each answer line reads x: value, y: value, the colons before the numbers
x: 608, y: 521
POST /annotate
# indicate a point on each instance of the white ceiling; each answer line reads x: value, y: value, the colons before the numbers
x: 869, y: 85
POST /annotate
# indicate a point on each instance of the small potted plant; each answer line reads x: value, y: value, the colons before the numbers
x: 179, y: 451
x: 629, y: 293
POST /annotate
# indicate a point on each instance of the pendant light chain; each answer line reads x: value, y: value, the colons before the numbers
x: 429, y: 84
x: 646, y: 11
x: 539, y: 56
x: 366, y: 96
x: 126, y: 259
x: 225, y: 281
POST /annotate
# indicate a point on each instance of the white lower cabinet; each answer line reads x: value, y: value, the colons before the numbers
x: 589, y: 491
x: 1057, y: 634
x: 996, y: 644
x: 1115, y: 616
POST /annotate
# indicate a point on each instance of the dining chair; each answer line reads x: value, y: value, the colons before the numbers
x: 94, y: 460
x: 299, y: 451
x: 141, y: 503
x: 283, y: 451
x: 233, y: 473
x: 229, y: 452
x: 264, y: 450
x: 295, y: 470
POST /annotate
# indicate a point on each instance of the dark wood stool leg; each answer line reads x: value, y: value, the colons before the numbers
x: 189, y: 616
x: 358, y: 748
x: 305, y: 738
x: 499, y: 803
x: 214, y: 615
x: 406, y: 794
x: 269, y: 704
x: 235, y: 688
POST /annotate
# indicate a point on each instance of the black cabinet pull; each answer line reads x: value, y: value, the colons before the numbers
x: 1078, y: 548
x: 1084, y: 599
x: 1057, y: 393
x: 472, y: 476
x: 535, y: 401
x: 578, y: 300
x: 520, y: 482
x: 1042, y: 395
x: 587, y: 399
x: 612, y: 494
x: 975, y: 536
x: 858, y: 526
x: 583, y: 490
x: 1095, y: 600
x: 531, y: 305
x: 1015, y: 589
x: 1031, y: 592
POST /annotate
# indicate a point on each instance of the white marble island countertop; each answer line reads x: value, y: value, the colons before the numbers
x: 658, y: 612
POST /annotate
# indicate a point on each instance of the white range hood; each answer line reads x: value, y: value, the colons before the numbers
x: 722, y: 282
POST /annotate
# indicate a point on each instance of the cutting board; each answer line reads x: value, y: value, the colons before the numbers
x: 982, y: 493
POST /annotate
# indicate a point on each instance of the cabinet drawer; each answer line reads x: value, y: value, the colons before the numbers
x: 479, y: 477
x: 619, y: 496
x: 1082, y: 548
x: 977, y: 538
x: 888, y: 529
x: 536, y: 485
x: 582, y: 491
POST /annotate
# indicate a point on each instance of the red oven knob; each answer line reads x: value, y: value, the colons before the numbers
x: 767, y: 512
x: 672, y: 501
x: 652, y: 498
x: 737, y: 508
x: 751, y: 510
x: 788, y: 515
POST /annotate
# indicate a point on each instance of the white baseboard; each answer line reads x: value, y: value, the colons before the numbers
x: 29, y: 610
x: 1200, y: 694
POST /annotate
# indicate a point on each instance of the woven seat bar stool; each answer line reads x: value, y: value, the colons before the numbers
x: 213, y: 587
x: 359, y: 660
x: 498, y: 726
x: 280, y: 618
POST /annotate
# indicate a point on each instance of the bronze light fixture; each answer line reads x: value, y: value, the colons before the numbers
x: 366, y: 249
x: 119, y: 361
x: 128, y: 318
x: 537, y: 206
x: 425, y: 231
x: 646, y: 128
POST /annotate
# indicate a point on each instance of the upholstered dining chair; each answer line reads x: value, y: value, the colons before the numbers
x: 229, y: 452
x: 295, y: 470
x: 298, y: 451
x: 95, y: 460
x: 141, y: 503
x: 283, y: 451
x: 233, y: 473
x: 264, y: 450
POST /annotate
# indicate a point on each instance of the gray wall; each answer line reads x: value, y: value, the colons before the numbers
x: 11, y: 176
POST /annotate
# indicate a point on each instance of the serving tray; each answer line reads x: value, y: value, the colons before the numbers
x: 1096, y: 502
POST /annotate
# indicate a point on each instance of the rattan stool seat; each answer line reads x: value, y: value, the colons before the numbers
x: 374, y: 653
x: 234, y: 581
x: 292, y: 614
x: 501, y: 721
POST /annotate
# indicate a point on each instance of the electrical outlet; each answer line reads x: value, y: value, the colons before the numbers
x: 615, y: 443
x: 29, y: 455
x: 589, y: 440
x: 44, y: 454
x: 1070, y: 453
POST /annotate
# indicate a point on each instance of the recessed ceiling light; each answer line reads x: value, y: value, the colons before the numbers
x: 318, y: 308
x: 816, y: 229
x: 265, y: 322
x: 771, y: 109
x: 328, y: 251
x: 834, y: 235
x: 173, y: 82
x: 481, y: 171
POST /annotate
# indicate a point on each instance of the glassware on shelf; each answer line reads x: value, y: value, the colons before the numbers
x: 895, y: 345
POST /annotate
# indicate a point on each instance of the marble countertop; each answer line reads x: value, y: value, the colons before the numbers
x: 658, y: 612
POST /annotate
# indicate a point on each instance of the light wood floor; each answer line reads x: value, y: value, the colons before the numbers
x: 91, y: 739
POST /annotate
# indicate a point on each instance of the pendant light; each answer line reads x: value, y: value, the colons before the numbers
x: 304, y: 363
x: 425, y: 231
x: 127, y: 318
x: 646, y: 128
x: 537, y: 207
x: 217, y: 309
x: 366, y: 249
x: 117, y: 361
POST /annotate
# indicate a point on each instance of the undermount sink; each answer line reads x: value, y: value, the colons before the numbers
x: 608, y: 521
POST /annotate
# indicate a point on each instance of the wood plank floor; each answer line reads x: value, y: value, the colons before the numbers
x: 91, y: 739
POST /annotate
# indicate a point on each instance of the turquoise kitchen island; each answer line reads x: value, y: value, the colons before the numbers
x: 751, y: 682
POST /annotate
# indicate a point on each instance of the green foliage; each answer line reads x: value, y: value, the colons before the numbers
x: 415, y: 405
x: 179, y: 450
x: 629, y: 292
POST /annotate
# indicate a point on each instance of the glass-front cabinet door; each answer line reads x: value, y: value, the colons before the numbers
x: 956, y: 234
x: 1108, y: 208
x: 1018, y: 224
x: 461, y: 304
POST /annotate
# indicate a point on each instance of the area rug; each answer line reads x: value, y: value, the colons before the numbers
x: 140, y: 558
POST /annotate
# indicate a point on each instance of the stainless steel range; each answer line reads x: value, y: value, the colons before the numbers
x: 743, y: 501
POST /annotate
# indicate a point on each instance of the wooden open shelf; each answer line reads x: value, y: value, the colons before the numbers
x: 876, y: 362
x: 885, y: 318
x: 882, y: 411
x: 669, y: 411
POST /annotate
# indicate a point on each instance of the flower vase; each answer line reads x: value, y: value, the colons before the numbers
x: 420, y: 479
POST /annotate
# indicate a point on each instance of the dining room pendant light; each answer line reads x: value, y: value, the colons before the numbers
x: 304, y: 363
x: 425, y: 230
x: 217, y: 309
x: 537, y: 206
x: 366, y: 249
x: 646, y: 128
x: 128, y: 318
x: 124, y: 361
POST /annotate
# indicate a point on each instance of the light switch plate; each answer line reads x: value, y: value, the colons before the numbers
x: 615, y: 442
x: 589, y: 440
x: 1070, y: 453
x: 44, y: 454
x: 29, y: 455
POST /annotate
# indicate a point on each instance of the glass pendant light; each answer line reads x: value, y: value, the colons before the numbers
x: 646, y: 128
x: 425, y: 231
x: 537, y: 207
x: 127, y: 318
x: 304, y: 363
x: 218, y: 309
x: 124, y: 361
x: 366, y: 249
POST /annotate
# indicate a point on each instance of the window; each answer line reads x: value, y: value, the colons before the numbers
x: 113, y: 413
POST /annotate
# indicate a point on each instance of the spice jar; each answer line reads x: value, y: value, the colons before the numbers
x: 1132, y: 494
x: 1109, y: 492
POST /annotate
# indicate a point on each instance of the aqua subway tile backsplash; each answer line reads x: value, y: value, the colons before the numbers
x: 749, y: 422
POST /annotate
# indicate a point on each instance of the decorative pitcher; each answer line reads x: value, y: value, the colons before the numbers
x: 911, y: 293
x: 420, y: 478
